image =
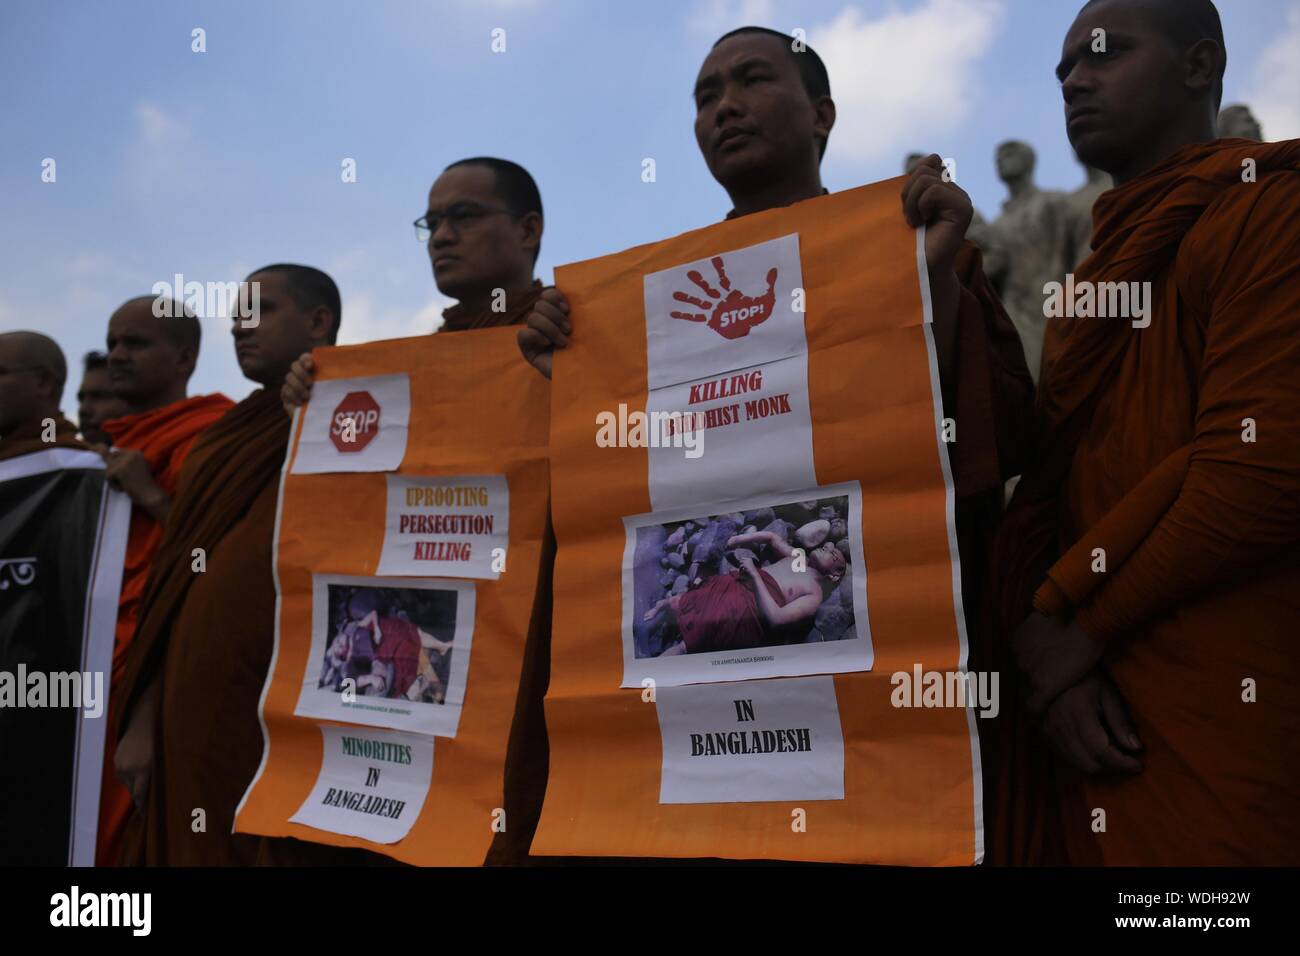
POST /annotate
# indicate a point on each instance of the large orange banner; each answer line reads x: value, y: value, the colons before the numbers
x: 409, y: 537
x: 756, y: 546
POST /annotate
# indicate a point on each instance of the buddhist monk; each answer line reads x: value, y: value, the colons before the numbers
x: 96, y: 402
x: 150, y: 360
x: 32, y: 375
x: 764, y: 115
x: 190, y: 738
x: 483, y: 231
x: 754, y: 606
x: 1150, y: 560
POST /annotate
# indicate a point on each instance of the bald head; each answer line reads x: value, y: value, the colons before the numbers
x: 1141, y: 79
x: 182, y: 325
x: 32, y: 374
x: 763, y: 117
x: 1184, y: 23
x: 151, y: 356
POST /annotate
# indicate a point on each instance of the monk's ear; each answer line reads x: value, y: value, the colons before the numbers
x: 49, y: 384
x: 320, y: 327
x: 531, y: 224
x: 187, y: 361
x: 1203, y: 66
x: 823, y: 121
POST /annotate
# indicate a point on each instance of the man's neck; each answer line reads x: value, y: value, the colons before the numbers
x: 1159, y: 150
x: 483, y: 302
x: 273, y: 380
x: 777, y: 193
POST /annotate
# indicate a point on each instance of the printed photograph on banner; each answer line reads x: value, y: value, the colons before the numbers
x: 735, y: 309
x: 456, y: 527
x: 354, y: 424
x: 772, y: 586
x: 372, y: 784
x: 389, y: 652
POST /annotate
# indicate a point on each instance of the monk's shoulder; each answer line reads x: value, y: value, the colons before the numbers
x: 1247, y: 226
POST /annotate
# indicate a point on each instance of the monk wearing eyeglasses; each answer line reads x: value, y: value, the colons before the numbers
x: 483, y: 230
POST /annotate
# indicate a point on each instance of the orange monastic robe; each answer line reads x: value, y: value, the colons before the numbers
x: 164, y: 436
x: 1175, y: 449
x: 206, y: 639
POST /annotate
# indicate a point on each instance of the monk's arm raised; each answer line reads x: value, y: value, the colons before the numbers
x: 771, y: 538
x: 986, y: 386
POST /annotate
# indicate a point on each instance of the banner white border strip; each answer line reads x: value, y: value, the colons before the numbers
x: 977, y: 772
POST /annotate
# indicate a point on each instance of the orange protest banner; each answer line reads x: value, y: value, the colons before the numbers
x: 409, y: 539
x: 757, y: 562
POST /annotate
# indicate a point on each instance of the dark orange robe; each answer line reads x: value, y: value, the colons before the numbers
x: 1176, y: 450
x: 164, y: 436
x: 722, y: 614
x: 206, y: 637
x: 27, y: 439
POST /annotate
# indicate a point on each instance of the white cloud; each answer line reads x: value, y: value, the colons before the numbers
x: 363, y: 323
x: 93, y: 263
x: 162, y: 157
x: 1274, y: 91
x: 906, y: 78
x: 157, y: 128
x: 716, y: 17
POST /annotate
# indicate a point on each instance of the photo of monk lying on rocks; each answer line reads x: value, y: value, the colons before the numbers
x: 384, y: 640
x: 759, y: 578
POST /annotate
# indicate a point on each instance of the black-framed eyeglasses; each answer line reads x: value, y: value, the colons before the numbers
x: 459, y: 215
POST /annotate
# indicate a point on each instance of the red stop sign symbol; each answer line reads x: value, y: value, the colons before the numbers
x: 355, y: 422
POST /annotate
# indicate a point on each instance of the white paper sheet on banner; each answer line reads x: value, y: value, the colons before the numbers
x: 740, y: 378
x: 448, y: 526
x: 372, y: 784
x: 355, y: 424
x: 729, y: 285
x: 758, y: 440
x: 751, y: 741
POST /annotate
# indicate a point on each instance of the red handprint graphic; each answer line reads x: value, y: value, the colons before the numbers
x: 734, y: 315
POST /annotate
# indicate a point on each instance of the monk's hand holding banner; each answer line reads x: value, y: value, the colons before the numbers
x: 754, y: 519
x: 409, y: 535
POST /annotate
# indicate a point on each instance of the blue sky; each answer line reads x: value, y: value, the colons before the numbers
x: 211, y: 164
